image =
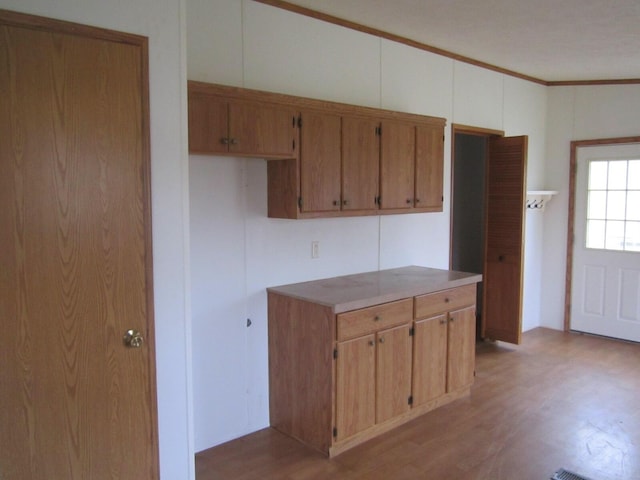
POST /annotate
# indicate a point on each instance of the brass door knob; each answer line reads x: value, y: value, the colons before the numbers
x: 133, y: 339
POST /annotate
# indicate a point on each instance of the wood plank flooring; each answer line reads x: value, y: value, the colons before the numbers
x: 560, y: 400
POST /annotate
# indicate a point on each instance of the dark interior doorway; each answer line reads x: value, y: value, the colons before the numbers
x: 468, y: 206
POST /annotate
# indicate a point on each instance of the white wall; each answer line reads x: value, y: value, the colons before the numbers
x: 576, y: 113
x: 161, y: 21
x: 237, y: 251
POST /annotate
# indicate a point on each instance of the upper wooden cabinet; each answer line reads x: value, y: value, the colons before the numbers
x: 360, y: 163
x: 221, y: 126
x: 397, y: 165
x: 429, y: 190
x: 325, y: 159
x: 320, y: 162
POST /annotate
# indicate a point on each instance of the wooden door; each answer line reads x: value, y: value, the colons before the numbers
x: 360, y: 163
x: 320, y: 162
x: 355, y: 386
x: 208, y: 124
x: 261, y: 129
x: 506, y: 170
x: 429, y: 168
x: 397, y: 165
x: 75, y: 254
x: 461, y: 350
x: 429, y: 359
x: 393, y: 372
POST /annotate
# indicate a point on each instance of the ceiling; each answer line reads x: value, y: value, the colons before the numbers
x: 550, y: 40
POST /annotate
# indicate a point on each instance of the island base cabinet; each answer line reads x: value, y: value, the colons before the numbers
x: 344, y: 372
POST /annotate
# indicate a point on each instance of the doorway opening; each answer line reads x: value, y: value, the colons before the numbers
x: 468, y: 208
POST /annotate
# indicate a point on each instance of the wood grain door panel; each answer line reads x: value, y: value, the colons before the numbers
x: 429, y: 168
x: 397, y: 165
x: 320, y: 162
x: 461, y: 350
x: 360, y: 163
x: 429, y: 359
x: 504, y: 238
x: 208, y: 124
x: 355, y: 386
x: 393, y: 373
x: 74, y: 247
x: 256, y: 129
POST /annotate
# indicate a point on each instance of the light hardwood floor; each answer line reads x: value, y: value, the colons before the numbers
x: 558, y: 400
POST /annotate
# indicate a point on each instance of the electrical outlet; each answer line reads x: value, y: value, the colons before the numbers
x: 315, y: 249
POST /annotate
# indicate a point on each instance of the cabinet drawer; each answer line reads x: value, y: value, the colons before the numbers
x: 368, y: 320
x: 445, y: 301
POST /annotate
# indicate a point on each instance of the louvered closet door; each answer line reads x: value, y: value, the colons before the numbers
x: 504, y: 238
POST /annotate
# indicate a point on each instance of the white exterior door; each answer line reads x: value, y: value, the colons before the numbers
x: 606, y: 249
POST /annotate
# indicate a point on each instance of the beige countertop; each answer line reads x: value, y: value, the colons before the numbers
x: 351, y: 292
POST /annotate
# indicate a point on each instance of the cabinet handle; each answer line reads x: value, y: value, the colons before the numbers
x: 417, y: 200
x: 377, y: 318
x: 224, y: 141
x: 409, y: 201
x: 443, y: 321
x: 345, y: 202
x: 336, y: 202
x: 371, y: 343
x: 381, y: 339
x: 234, y: 141
x: 446, y: 299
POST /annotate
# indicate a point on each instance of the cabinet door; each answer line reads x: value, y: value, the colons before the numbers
x: 261, y: 129
x: 355, y: 386
x: 429, y: 359
x: 429, y: 167
x: 208, y: 124
x: 461, y: 348
x: 360, y: 163
x: 393, y: 372
x: 320, y: 162
x: 397, y: 165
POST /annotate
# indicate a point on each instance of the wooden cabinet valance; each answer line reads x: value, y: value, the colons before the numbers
x: 326, y: 159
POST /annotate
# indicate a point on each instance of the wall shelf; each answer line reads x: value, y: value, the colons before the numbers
x: 538, y: 199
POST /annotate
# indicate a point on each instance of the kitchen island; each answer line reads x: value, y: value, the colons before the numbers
x: 354, y: 356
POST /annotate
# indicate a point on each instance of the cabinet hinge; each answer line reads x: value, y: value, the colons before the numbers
x: 410, y: 401
x: 412, y: 332
x: 335, y: 432
x: 379, y: 130
x: 300, y: 202
x: 335, y: 353
x: 300, y: 121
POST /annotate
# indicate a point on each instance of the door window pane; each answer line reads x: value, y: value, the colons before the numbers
x: 614, y: 235
x: 598, y: 175
x: 633, y: 205
x: 595, y: 233
x: 597, y: 205
x: 632, y: 237
x: 613, y: 205
x: 617, y: 177
x: 634, y: 175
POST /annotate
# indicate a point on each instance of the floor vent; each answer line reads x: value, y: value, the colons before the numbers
x: 563, y: 474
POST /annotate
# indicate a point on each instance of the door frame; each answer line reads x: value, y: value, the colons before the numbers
x: 466, y: 130
x: 573, y: 164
